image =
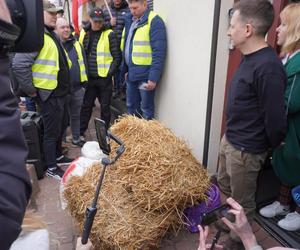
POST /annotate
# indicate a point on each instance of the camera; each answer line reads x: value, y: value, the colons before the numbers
x: 27, y: 15
x: 215, y: 214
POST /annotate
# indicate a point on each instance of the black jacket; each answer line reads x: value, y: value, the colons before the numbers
x: 75, y: 80
x: 15, y: 187
x: 119, y: 14
x: 90, y: 42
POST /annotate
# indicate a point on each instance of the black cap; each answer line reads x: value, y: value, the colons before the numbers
x: 96, y: 14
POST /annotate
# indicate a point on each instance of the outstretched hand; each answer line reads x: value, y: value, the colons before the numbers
x: 241, y: 225
x: 203, y: 237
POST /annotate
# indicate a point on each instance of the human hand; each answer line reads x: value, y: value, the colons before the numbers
x: 241, y: 225
x: 33, y: 94
x: 203, y: 237
x: 87, y: 246
x: 113, y: 21
x: 151, y: 85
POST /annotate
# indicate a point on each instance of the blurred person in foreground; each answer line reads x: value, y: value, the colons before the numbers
x: 15, y: 187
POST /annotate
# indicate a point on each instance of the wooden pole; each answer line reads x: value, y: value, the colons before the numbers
x: 108, y: 9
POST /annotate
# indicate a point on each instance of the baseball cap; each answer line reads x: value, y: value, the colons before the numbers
x: 96, y: 14
x: 49, y: 7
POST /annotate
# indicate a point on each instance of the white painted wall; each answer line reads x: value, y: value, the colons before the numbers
x: 219, y: 87
x: 182, y: 93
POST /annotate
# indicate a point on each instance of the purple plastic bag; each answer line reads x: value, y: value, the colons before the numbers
x: 193, y: 215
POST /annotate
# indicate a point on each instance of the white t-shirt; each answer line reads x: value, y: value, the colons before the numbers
x: 36, y: 240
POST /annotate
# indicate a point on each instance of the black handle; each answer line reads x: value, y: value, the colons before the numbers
x: 90, y: 214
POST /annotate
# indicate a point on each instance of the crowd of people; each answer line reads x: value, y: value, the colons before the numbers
x: 120, y: 43
x: 122, y: 50
x: 262, y: 113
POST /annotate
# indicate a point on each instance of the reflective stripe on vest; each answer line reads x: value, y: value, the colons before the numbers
x: 46, y: 65
x: 83, y: 76
x: 122, y: 44
x: 141, y: 48
x: 81, y: 36
x: 104, y: 57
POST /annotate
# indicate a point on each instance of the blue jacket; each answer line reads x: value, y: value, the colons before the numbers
x: 158, y: 42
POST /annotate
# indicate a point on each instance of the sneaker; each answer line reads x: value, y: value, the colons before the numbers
x: 81, y: 138
x: 78, y: 143
x: 291, y: 222
x: 56, y: 173
x: 231, y: 244
x: 274, y: 209
x: 63, y: 160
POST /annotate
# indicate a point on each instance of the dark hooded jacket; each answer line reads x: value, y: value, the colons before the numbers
x: 119, y: 14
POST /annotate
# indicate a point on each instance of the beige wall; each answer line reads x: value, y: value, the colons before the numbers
x: 182, y: 94
x: 219, y: 88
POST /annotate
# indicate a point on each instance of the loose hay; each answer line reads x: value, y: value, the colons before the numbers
x: 157, y: 166
x: 119, y: 223
x: 145, y: 192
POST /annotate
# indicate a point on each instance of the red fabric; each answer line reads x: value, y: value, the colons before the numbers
x: 75, y: 15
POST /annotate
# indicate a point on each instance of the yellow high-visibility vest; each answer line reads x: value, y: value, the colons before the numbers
x: 46, y: 66
x: 104, y: 57
x: 83, y: 75
x: 81, y: 36
x: 141, y: 48
x: 122, y: 44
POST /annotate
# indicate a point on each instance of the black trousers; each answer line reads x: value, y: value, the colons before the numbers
x: 53, y: 112
x: 100, y: 88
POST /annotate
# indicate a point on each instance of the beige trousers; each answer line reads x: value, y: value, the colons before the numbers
x: 237, y: 175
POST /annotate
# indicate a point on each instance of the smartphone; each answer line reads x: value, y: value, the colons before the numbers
x: 143, y: 85
x: 102, y: 136
x: 215, y: 214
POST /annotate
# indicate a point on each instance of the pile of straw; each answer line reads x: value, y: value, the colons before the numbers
x: 145, y: 192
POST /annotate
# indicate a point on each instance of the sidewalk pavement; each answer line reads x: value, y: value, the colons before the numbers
x: 63, y: 230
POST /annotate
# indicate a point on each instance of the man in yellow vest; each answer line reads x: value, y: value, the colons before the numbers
x: 44, y: 75
x: 144, y: 45
x: 103, y: 58
x: 78, y: 77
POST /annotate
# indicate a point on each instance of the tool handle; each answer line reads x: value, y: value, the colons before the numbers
x: 90, y: 214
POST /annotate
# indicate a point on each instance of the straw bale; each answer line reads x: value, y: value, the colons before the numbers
x: 119, y: 223
x: 145, y: 192
x: 158, y: 167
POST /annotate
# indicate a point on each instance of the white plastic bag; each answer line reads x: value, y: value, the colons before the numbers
x: 91, y: 153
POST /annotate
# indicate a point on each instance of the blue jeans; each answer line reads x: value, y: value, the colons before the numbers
x: 140, y: 102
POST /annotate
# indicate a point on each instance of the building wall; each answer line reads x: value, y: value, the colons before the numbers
x: 182, y: 93
x: 219, y: 87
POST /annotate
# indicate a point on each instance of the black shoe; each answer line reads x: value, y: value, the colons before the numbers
x: 79, y: 143
x: 56, y: 173
x: 63, y: 160
x: 231, y: 244
x: 116, y: 94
